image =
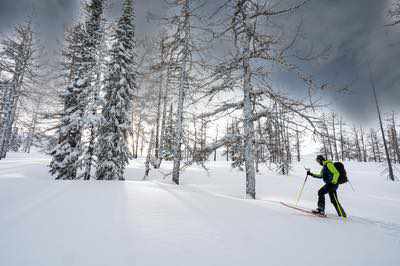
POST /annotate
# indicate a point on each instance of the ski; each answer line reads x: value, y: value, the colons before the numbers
x: 303, y: 210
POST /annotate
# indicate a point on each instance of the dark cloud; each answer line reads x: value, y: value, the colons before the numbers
x: 49, y: 17
x: 352, y: 28
x: 356, y: 32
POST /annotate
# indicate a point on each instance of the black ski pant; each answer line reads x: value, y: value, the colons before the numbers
x: 331, y: 190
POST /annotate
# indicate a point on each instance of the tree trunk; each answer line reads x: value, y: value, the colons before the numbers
x: 334, y: 137
x: 11, y: 104
x: 158, y: 117
x: 357, y: 144
x: 183, y: 81
x: 139, y: 124
x: 215, y: 151
x: 364, y: 150
x: 227, y: 145
x: 162, y: 133
x: 341, y: 140
x: 148, y: 157
x: 389, y: 162
x: 298, y: 145
x: 248, y: 130
x: 395, y: 141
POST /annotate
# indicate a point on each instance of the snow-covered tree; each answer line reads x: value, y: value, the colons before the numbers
x: 246, y: 69
x: 374, y: 146
x: 236, y: 148
x: 18, y: 59
x: 148, y: 157
x: 394, y: 13
x: 66, y: 155
x: 168, y: 139
x: 112, y: 150
x: 393, y: 139
x: 32, y: 126
x: 184, y: 52
x: 378, y: 110
x: 95, y: 48
x: 74, y: 153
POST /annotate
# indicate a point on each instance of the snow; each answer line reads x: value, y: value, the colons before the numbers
x: 205, y: 221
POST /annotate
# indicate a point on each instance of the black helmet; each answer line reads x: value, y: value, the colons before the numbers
x: 320, y: 159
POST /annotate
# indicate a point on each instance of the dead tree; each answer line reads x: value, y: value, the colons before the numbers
x: 237, y: 71
x: 19, y: 61
x: 215, y: 152
x: 394, y: 140
x: 32, y: 128
x: 357, y: 150
x: 363, y: 146
x: 389, y: 162
x: 374, y: 146
x: 334, y: 137
x: 342, y: 151
x: 298, y: 145
x: 183, y: 39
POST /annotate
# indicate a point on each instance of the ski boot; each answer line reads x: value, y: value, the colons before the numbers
x: 318, y: 212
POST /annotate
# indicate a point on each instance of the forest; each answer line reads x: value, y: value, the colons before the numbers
x: 205, y: 85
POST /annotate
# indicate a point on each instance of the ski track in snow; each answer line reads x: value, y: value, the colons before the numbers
x: 32, y: 205
x: 205, y: 221
x: 389, y: 228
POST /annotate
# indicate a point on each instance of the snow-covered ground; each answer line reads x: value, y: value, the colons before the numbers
x: 206, y: 221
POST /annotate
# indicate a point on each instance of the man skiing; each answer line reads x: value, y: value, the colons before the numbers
x: 330, y: 175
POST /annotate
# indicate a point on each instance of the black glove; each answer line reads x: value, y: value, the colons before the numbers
x: 309, y: 173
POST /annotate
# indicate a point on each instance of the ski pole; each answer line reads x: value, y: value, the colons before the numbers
x: 301, y: 190
x: 351, y: 185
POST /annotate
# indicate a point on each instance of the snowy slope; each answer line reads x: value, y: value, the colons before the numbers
x: 206, y: 221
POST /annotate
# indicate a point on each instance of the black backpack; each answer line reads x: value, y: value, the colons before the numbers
x: 343, y: 175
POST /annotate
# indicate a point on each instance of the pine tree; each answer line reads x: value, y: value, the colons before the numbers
x: 80, y: 99
x: 113, y: 151
x: 93, y: 40
x: 394, y: 13
x: 66, y: 154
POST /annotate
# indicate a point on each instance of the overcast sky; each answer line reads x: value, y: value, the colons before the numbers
x: 353, y: 28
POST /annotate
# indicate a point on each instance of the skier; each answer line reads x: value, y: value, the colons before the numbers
x: 330, y: 175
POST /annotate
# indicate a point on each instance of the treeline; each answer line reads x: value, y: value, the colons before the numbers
x: 342, y: 141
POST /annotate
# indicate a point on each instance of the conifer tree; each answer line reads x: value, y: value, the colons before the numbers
x: 394, y: 13
x: 65, y: 162
x: 80, y: 98
x: 93, y: 41
x: 113, y: 150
